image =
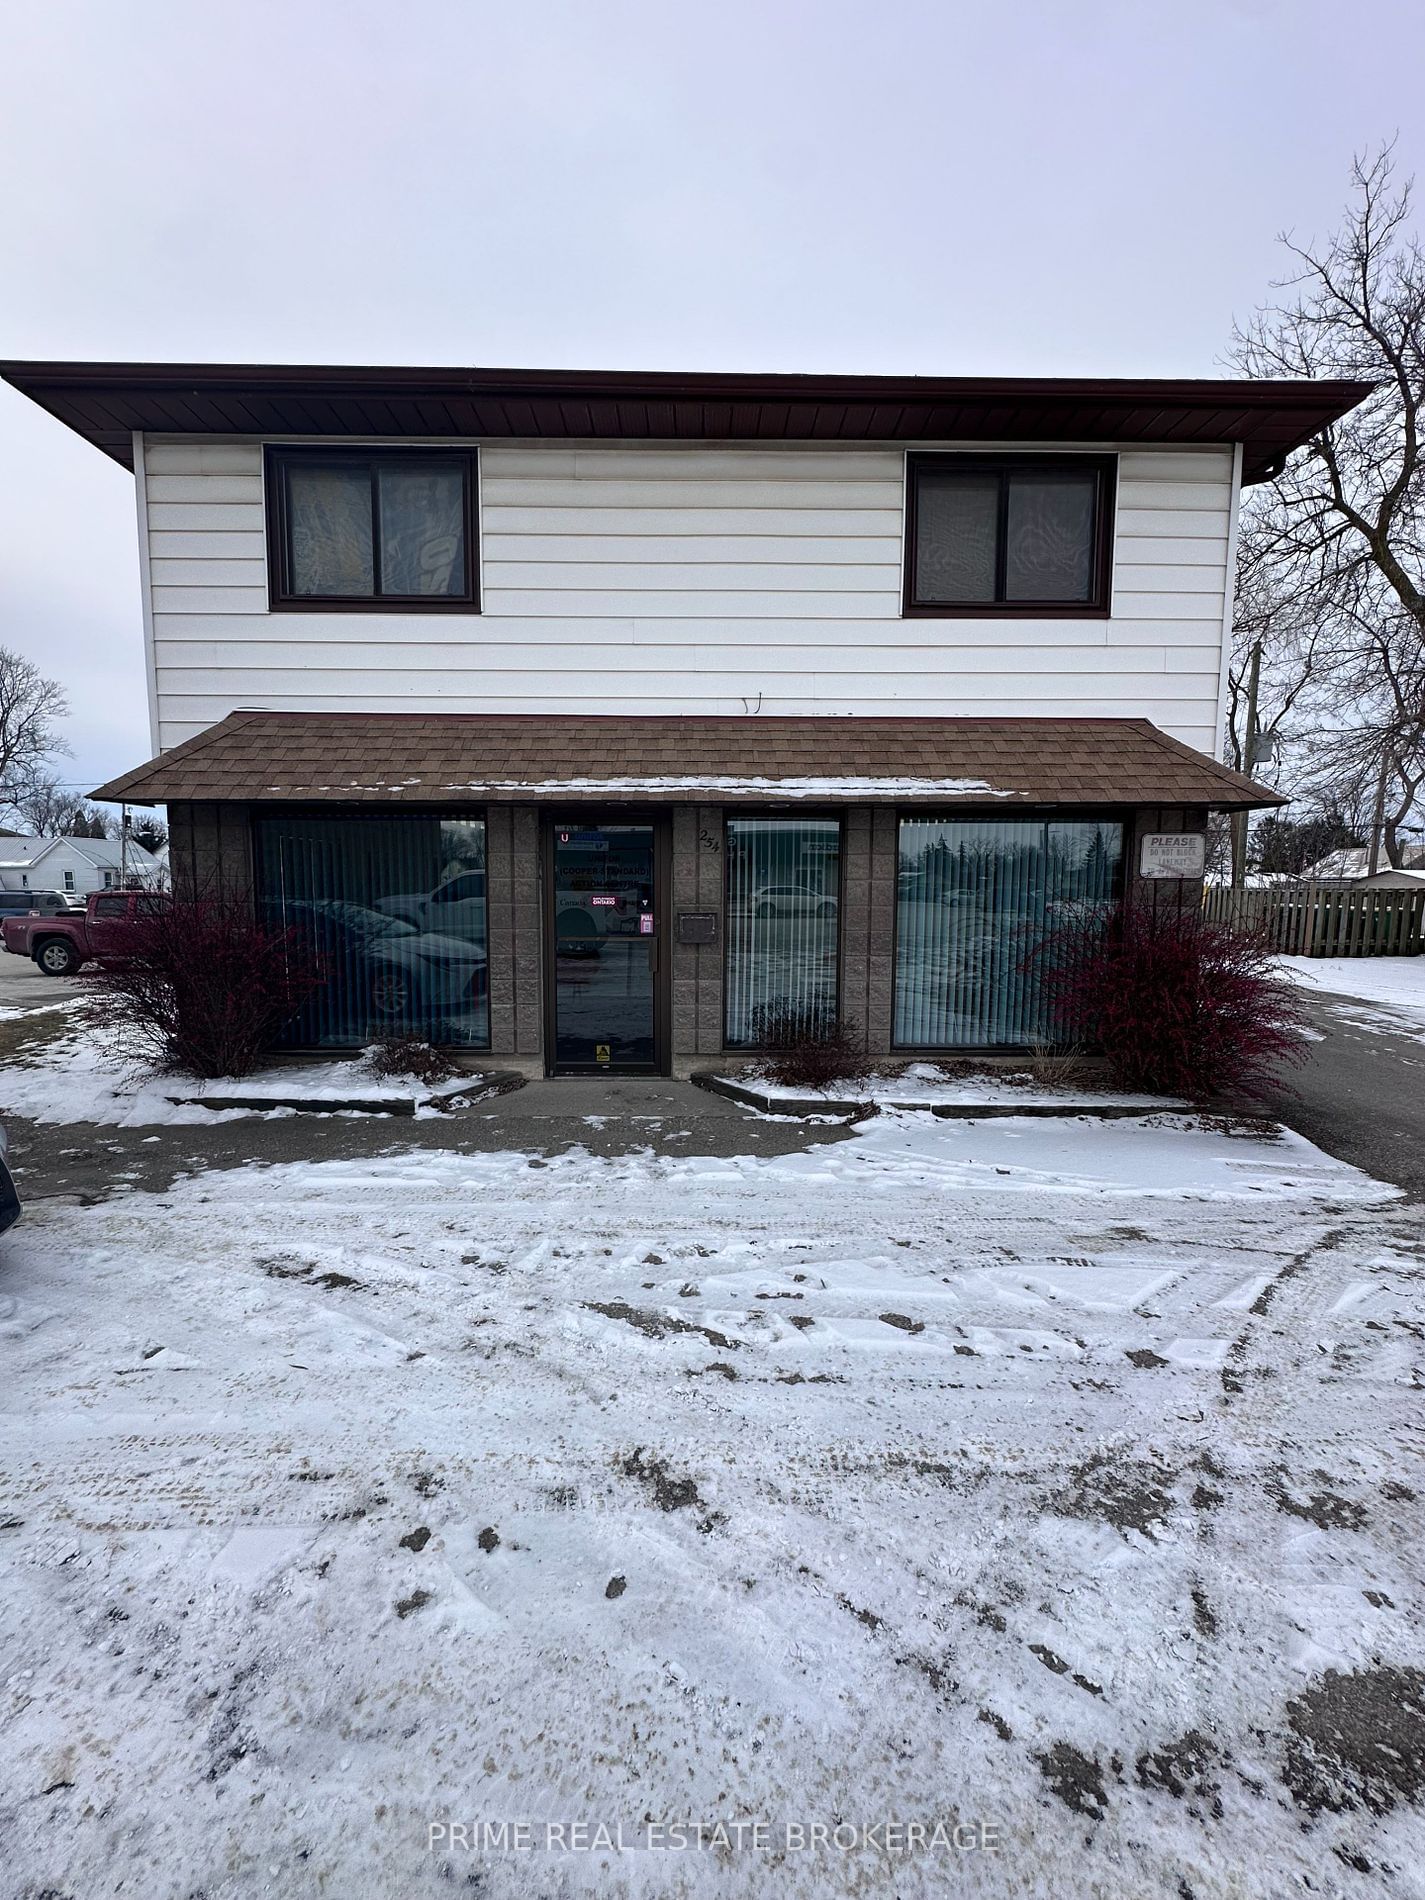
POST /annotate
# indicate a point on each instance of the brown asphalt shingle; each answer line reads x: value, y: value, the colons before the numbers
x: 425, y: 758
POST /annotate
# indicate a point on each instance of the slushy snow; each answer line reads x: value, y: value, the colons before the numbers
x: 1038, y: 1477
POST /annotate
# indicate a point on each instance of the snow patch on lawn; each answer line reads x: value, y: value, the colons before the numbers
x: 75, y: 1079
x: 1396, y: 984
x: 923, y: 1085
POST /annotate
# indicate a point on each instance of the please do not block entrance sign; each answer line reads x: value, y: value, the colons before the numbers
x: 1172, y: 854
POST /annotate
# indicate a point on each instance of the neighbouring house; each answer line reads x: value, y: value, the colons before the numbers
x: 604, y: 721
x: 1390, y: 879
x: 1351, y: 866
x: 75, y: 865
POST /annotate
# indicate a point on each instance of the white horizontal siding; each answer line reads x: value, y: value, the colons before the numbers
x: 707, y: 579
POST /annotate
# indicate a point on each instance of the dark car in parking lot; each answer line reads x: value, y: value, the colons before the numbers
x: 9, y: 1199
x: 39, y: 903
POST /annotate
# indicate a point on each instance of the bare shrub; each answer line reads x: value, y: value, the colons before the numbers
x: 1060, y: 1066
x: 409, y: 1059
x: 198, y: 984
x: 806, y: 1048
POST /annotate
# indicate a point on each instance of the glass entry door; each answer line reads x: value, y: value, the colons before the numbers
x: 603, y: 928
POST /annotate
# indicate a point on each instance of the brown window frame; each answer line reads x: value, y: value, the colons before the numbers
x: 278, y: 457
x: 1099, y: 604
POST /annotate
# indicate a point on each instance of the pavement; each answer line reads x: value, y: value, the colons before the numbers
x: 23, y: 986
x: 1360, y: 1095
x: 89, y: 1161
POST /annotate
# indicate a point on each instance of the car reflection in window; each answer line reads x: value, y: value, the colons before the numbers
x: 393, y: 977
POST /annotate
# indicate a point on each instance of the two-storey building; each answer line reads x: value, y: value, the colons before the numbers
x: 601, y: 721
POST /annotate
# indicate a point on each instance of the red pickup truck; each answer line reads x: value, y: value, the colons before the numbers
x: 60, y: 945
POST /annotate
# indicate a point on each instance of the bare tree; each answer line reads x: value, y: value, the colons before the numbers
x: 1340, y: 526
x: 30, y: 704
x: 1283, y: 647
x: 48, y: 809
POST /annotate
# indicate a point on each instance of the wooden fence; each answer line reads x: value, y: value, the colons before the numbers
x: 1323, y: 920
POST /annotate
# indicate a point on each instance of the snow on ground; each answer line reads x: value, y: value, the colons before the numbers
x: 1395, y: 986
x: 923, y: 1085
x: 1057, y: 1479
x: 73, y: 1078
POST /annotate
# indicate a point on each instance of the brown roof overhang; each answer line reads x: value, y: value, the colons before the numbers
x: 469, y: 758
x: 107, y: 402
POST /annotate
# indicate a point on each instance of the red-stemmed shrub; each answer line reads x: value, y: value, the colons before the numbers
x: 198, y: 984
x: 1175, y: 1004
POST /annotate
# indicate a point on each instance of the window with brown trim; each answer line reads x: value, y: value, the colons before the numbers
x: 353, y: 530
x: 1024, y: 534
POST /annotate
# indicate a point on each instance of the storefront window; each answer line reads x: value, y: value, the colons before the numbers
x: 394, y: 907
x: 783, y: 912
x: 974, y: 900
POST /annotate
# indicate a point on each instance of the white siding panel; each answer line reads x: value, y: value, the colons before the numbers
x: 202, y: 458
x: 659, y: 492
x: 192, y: 666
x: 1138, y: 493
x: 695, y: 577
x: 210, y: 600
x: 228, y: 516
x: 695, y: 605
x: 1176, y: 465
x: 208, y: 571
x: 472, y: 638
x: 1181, y: 578
x: 1130, y: 525
x: 705, y: 579
x: 196, y: 544
x: 590, y: 550
x: 1146, y: 606
x: 204, y: 488
x: 594, y: 517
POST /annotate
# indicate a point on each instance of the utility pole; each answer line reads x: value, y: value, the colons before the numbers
x: 1249, y: 751
x: 1378, y: 818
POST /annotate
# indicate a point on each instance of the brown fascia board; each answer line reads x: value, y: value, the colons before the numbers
x: 107, y: 402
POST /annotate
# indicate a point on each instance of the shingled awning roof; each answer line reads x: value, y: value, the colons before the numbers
x: 445, y: 758
x: 107, y: 402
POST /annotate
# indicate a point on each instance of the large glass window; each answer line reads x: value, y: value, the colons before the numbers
x: 783, y: 910
x: 975, y: 898
x: 352, y: 529
x: 394, y: 907
x: 1029, y: 534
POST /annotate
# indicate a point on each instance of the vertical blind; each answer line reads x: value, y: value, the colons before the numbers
x: 394, y: 908
x: 783, y: 905
x: 974, y: 900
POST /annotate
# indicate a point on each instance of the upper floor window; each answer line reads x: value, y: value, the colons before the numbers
x: 1024, y: 534
x: 372, y: 529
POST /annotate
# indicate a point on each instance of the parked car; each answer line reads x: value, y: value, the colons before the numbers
x: 39, y: 903
x: 9, y: 1199
x: 792, y: 900
x: 65, y: 942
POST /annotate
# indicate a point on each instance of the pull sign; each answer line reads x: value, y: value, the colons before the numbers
x: 645, y: 925
x: 601, y: 1052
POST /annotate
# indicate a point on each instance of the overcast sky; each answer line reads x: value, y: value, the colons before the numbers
x: 890, y: 185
